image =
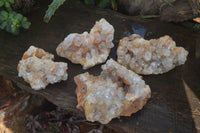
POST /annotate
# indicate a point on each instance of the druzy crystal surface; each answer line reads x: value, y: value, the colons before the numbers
x: 116, y: 92
x: 155, y: 56
x: 38, y: 68
x: 88, y: 49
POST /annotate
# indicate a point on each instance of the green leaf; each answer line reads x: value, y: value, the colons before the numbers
x: 7, y: 5
x: 15, y: 23
x: 3, y: 15
x: 87, y: 2
x: 103, y: 3
x: 12, y: 22
x: 24, y: 19
x: 15, y: 31
x: 26, y: 25
x: 8, y: 28
x: 114, y: 5
x: 11, y: 15
x: 1, y: 3
x: 52, y: 8
x: 19, y: 17
x: 170, y: 4
x: 197, y: 27
x: 3, y: 25
x: 149, y: 16
x: 12, y: 1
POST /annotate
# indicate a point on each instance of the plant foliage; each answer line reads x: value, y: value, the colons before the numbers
x: 197, y: 27
x: 114, y: 5
x: 10, y: 20
x: 52, y: 8
x: 102, y: 3
x: 6, y: 3
x: 55, y: 4
x: 167, y: 2
x: 148, y: 16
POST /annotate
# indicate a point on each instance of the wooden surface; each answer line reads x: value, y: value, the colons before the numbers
x: 167, y: 111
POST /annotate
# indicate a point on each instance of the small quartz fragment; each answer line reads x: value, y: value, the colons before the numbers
x: 88, y: 49
x: 150, y: 57
x: 116, y: 92
x: 38, y: 68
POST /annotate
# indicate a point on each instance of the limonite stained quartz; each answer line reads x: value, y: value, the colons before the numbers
x: 88, y: 49
x: 155, y: 56
x: 116, y: 92
x: 38, y: 68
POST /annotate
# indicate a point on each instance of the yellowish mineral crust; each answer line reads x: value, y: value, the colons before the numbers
x: 38, y: 68
x: 116, y: 92
x: 88, y: 49
x: 150, y: 56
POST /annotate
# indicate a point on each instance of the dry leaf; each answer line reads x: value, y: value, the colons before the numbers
x: 197, y: 19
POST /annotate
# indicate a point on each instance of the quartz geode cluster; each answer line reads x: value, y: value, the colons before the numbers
x: 116, y: 92
x: 88, y: 49
x: 150, y: 56
x: 38, y: 68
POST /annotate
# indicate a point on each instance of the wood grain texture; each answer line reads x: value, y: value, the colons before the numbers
x: 167, y: 111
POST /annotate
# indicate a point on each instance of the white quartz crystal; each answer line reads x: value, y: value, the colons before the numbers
x: 150, y: 57
x: 38, y: 68
x: 88, y: 49
x: 116, y: 92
